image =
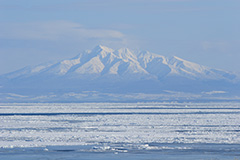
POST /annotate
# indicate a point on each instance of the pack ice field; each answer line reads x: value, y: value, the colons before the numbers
x: 210, y: 129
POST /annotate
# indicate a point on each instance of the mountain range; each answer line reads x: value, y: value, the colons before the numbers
x: 104, y: 74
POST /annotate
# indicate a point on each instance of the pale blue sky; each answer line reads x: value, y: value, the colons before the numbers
x: 203, y: 31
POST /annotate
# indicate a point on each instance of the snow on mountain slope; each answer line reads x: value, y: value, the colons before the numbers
x: 195, y: 71
x: 113, y: 75
x: 126, y: 55
x: 93, y: 66
x: 103, y: 60
x: 154, y: 64
x: 126, y: 64
x: 27, y: 71
x: 62, y: 67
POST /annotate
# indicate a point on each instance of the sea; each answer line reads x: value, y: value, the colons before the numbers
x: 120, y: 131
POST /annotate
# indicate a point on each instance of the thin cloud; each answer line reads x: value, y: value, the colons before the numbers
x: 63, y: 36
x: 55, y: 31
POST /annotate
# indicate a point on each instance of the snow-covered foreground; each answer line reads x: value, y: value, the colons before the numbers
x: 120, y: 131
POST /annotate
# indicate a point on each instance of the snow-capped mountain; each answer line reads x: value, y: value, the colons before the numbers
x: 119, y: 71
x: 123, y: 62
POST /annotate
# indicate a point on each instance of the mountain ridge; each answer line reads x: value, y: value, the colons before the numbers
x: 123, y: 71
x: 109, y: 61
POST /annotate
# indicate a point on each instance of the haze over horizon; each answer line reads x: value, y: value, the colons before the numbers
x: 201, y: 31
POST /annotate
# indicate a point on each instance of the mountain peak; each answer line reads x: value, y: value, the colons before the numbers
x: 100, y: 48
x: 175, y: 57
x: 126, y: 54
x: 115, y: 75
x: 106, y: 60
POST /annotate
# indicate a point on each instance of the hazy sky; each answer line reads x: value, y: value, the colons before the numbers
x: 36, y: 31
